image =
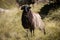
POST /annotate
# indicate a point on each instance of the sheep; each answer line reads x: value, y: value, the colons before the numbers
x: 31, y: 21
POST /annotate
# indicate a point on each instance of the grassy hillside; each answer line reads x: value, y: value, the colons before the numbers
x: 7, y: 3
x: 11, y: 28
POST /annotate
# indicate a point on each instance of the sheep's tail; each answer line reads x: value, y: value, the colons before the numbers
x: 43, y: 30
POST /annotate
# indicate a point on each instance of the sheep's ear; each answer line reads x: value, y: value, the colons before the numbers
x: 22, y: 8
x: 29, y: 7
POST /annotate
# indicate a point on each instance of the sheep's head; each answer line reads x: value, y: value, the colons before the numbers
x: 25, y: 8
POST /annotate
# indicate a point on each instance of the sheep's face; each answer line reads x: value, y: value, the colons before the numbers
x: 25, y: 8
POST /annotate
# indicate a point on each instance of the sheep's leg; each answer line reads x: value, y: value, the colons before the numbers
x: 33, y: 32
x: 27, y: 35
x: 43, y: 30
